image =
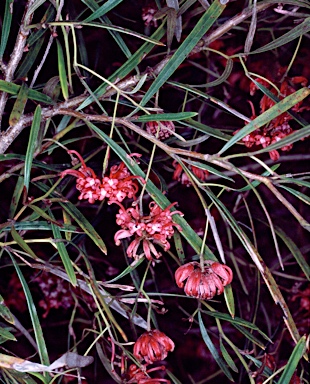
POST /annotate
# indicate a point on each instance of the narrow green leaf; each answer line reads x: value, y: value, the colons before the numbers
x: 32, y: 143
x: 212, y: 349
x: 62, y: 71
x: 84, y: 224
x: 6, y: 25
x: 43, y: 214
x: 300, y: 29
x: 19, y: 105
x: 7, y: 335
x: 293, y: 361
x: 21, y: 242
x: 127, y: 67
x: 63, y: 253
x: 47, y: 17
x: 224, y: 76
x: 229, y: 299
x: 16, y: 195
x: 38, y: 226
x: 301, y: 196
x: 13, y: 89
x: 5, y: 313
x: 203, y: 25
x: 276, y: 99
x: 250, y: 336
x: 34, y: 317
x: 29, y: 59
x: 214, y: 132
x: 126, y: 271
x: 101, y: 11
x: 295, y: 251
x: 167, y: 116
x: 268, y: 115
x: 172, y: 377
x: 227, y: 357
x: 238, y: 321
x: 208, y: 168
x: 179, y: 247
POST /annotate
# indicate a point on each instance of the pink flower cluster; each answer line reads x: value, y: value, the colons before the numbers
x: 156, y: 227
x: 266, y: 138
x: 115, y: 187
x: 279, y: 127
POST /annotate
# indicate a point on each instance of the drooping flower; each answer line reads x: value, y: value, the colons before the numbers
x: 156, y: 228
x: 161, y: 129
x: 152, y: 346
x: 115, y: 187
x: 203, y: 284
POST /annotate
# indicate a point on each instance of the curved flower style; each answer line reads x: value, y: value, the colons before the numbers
x: 164, y: 128
x: 152, y: 346
x: 115, y: 187
x: 157, y: 228
x: 141, y: 375
x: 203, y: 284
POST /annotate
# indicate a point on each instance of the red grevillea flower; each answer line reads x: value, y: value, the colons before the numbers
x: 115, y: 187
x: 152, y: 346
x: 141, y: 375
x: 203, y: 284
x: 161, y: 129
x: 156, y: 228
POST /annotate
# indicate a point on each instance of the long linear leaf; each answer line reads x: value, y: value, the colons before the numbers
x: 62, y: 71
x: 6, y: 25
x: 13, y: 89
x: 212, y: 349
x: 30, y: 58
x: 32, y: 142
x: 65, y: 258
x: 203, y: 25
x: 34, y: 317
x: 293, y: 361
x: 268, y: 115
x: 127, y: 67
x: 295, y: 251
x: 167, y: 116
x: 105, y: 8
x: 21, y: 242
x: 293, y: 34
x: 19, y: 105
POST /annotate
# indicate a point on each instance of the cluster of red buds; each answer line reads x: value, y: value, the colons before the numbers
x: 266, y: 138
x: 279, y: 127
x: 115, y: 187
x: 161, y: 129
x: 206, y: 283
x: 181, y: 176
x: 157, y: 227
x: 152, y: 346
